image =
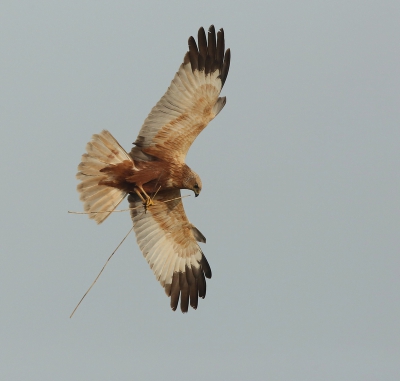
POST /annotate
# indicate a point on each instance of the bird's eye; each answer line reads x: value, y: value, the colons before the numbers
x: 196, y: 185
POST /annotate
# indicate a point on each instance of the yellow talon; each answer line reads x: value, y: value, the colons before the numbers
x: 147, y: 201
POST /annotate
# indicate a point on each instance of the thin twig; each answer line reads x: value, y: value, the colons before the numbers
x: 177, y: 198
x: 105, y: 211
x: 156, y: 193
x: 159, y: 177
x: 98, y: 276
x: 125, y: 210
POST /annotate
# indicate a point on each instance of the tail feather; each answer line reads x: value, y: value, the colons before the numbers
x: 94, y: 193
x: 100, y: 200
x: 90, y: 166
x: 88, y: 181
x: 112, y: 145
x: 107, y: 206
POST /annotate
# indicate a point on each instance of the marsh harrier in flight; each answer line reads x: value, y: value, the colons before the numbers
x: 153, y: 173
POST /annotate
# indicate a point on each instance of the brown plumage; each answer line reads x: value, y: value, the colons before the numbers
x: 154, y: 171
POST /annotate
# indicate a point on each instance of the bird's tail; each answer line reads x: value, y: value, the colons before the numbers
x: 100, y: 200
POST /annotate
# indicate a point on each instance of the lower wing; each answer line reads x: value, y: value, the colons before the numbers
x: 168, y: 241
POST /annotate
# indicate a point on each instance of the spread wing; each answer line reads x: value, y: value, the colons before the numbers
x: 168, y: 242
x: 190, y: 103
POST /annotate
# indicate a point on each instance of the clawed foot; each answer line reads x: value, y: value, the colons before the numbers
x: 147, y: 201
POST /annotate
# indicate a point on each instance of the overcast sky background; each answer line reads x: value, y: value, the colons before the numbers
x: 300, y: 200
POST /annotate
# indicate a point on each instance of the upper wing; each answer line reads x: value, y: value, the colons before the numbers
x: 168, y: 242
x: 190, y: 102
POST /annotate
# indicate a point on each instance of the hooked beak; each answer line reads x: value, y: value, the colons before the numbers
x: 196, y: 194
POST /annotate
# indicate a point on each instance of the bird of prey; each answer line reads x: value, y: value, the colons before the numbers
x: 154, y: 171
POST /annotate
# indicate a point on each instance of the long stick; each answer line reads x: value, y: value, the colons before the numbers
x: 124, y: 210
x: 100, y: 272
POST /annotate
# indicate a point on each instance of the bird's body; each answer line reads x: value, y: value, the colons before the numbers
x: 150, y: 175
x: 154, y: 171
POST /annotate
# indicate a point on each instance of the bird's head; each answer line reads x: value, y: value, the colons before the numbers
x: 192, y: 182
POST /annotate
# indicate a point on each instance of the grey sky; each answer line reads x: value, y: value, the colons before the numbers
x: 300, y: 200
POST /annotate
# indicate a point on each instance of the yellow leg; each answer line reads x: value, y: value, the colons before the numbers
x: 138, y: 193
x: 144, y: 192
x: 147, y: 201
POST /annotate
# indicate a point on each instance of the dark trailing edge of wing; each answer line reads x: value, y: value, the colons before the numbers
x: 188, y: 286
x: 209, y: 57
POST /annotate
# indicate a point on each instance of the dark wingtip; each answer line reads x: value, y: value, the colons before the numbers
x: 202, y: 285
x: 175, y: 291
x: 193, y: 53
x: 189, y: 285
x: 201, y: 37
x: 206, y: 267
x: 225, y: 66
x: 184, y: 287
x: 209, y: 54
